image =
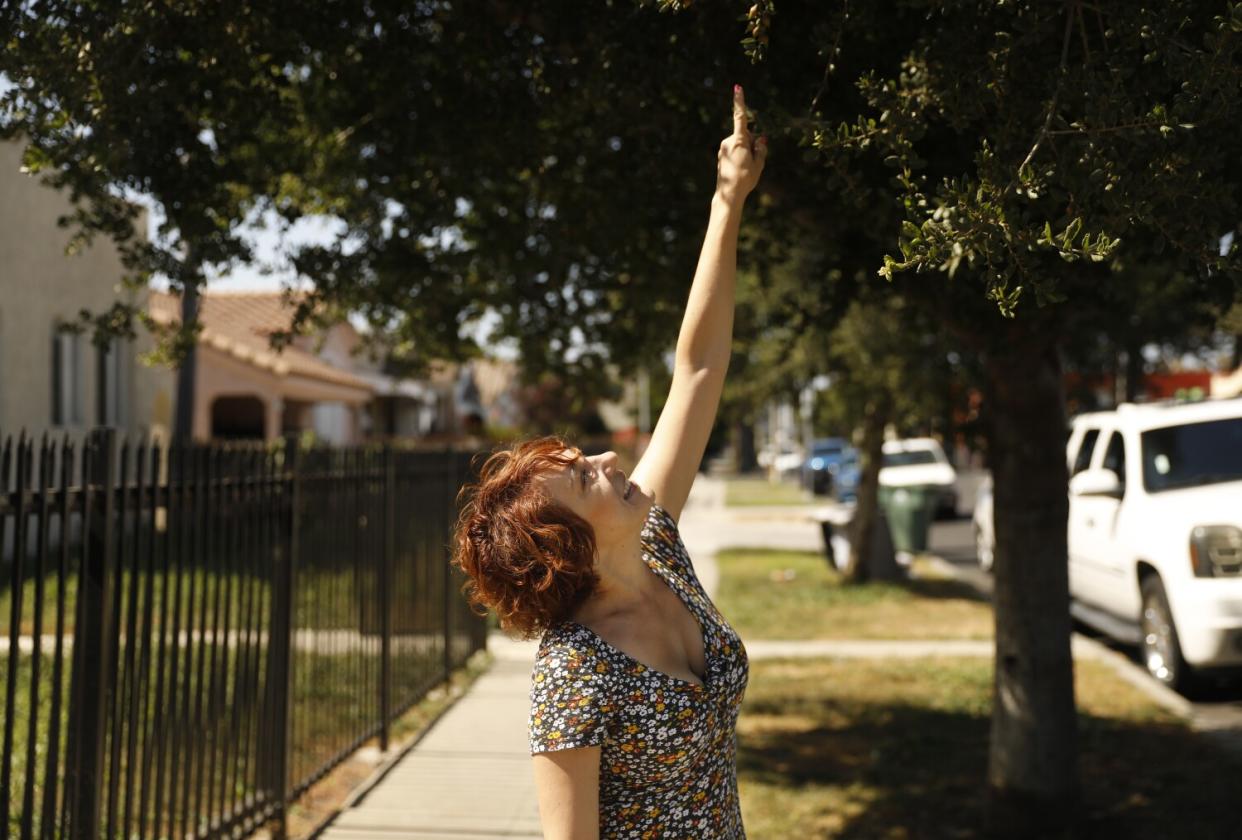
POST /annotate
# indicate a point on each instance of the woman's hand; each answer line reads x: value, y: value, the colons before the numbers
x: 741, y: 157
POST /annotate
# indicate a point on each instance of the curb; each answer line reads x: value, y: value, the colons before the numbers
x: 1092, y: 649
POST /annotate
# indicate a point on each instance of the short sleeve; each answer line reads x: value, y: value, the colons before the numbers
x: 569, y: 699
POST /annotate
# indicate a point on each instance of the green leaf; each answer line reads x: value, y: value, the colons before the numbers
x: 1071, y: 233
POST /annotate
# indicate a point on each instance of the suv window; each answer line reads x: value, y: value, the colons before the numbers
x: 1115, y: 456
x: 1192, y: 454
x: 1085, y: 450
x: 909, y: 458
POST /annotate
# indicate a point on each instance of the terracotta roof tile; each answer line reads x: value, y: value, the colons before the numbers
x: 241, y: 323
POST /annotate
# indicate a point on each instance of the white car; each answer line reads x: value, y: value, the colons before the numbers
x: 785, y: 460
x: 920, y: 461
x: 981, y: 521
x: 1155, y: 532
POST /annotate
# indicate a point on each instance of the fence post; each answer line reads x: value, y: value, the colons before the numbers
x: 96, y: 634
x: 449, y: 477
x: 465, y: 473
x: 281, y: 641
x: 385, y: 592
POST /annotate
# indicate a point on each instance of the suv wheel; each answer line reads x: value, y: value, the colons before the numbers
x: 1162, y: 654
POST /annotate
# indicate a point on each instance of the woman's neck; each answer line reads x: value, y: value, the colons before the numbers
x: 625, y: 586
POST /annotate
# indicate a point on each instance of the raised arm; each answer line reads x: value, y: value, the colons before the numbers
x: 671, y: 461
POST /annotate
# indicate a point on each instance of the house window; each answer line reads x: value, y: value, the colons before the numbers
x: 66, y: 378
x: 111, y: 383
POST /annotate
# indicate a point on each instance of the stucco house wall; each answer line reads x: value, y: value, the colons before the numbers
x: 39, y: 286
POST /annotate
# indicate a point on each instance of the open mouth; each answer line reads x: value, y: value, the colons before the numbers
x: 629, y: 488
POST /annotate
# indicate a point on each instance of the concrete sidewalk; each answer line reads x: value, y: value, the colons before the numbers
x: 469, y: 778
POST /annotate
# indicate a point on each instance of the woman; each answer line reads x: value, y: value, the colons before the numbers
x: 638, y: 678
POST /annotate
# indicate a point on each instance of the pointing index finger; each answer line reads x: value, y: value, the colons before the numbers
x: 739, y: 111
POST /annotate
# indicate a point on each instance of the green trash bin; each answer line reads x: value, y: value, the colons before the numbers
x: 909, y: 511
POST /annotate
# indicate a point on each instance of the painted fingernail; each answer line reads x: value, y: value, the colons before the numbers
x: 763, y: 138
x: 737, y: 88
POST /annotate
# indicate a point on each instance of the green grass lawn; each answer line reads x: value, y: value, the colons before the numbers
x: 898, y: 749
x: 333, y: 701
x: 747, y: 492
x: 204, y: 582
x: 763, y: 600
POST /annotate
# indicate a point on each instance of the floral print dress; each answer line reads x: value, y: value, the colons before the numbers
x: 668, y: 760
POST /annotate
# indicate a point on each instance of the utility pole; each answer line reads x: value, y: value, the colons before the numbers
x: 183, y: 416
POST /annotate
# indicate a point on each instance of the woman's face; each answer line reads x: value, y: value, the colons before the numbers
x: 594, y: 488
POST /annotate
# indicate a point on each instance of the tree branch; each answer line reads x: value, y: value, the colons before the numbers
x: 832, y: 57
x: 1056, y: 96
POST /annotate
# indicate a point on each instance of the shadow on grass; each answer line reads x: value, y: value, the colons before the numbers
x: 911, y: 772
x: 944, y: 589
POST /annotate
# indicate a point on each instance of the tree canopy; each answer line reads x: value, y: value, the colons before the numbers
x: 1013, y: 168
x: 522, y: 157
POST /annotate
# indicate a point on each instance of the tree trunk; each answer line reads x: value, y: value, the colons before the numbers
x: 866, y: 511
x: 744, y: 446
x: 1032, y: 768
x: 183, y: 420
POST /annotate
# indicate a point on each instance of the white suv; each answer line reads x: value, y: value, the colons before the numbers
x: 1155, y: 531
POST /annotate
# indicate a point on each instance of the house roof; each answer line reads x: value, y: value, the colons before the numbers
x: 240, y: 324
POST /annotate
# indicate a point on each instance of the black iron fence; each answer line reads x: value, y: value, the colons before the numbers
x: 196, y: 634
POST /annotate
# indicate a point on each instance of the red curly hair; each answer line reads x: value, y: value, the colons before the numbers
x: 528, y: 557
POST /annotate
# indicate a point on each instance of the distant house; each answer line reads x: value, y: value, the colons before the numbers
x: 245, y: 389
x: 50, y: 379
x: 1228, y: 384
x: 477, y: 394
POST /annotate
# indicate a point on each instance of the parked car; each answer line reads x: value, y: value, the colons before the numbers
x: 921, y: 461
x: 847, y: 477
x: 1155, y: 532
x: 823, y: 463
x: 981, y: 525
x: 785, y: 460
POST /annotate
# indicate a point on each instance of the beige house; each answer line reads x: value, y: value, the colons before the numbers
x: 52, y: 380
x: 245, y: 389
x: 58, y: 381
x: 318, y: 384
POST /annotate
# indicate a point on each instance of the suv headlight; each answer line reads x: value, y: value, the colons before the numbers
x: 1216, y: 550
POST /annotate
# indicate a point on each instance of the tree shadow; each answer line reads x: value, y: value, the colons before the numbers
x: 925, y: 771
x: 944, y: 589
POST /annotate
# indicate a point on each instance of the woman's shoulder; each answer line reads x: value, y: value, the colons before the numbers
x: 567, y: 650
x: 661, y: 537
x: 660, y: 526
